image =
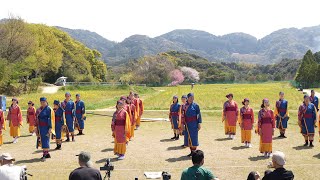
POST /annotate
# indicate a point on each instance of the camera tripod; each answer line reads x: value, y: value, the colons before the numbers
x: 108, y: 175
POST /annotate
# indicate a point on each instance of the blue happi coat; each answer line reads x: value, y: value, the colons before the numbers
x: 174, y: 110
x: 80, y: 110
x: 192, y: 118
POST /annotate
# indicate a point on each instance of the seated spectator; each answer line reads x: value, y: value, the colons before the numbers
x: 280, y: 173
x: 85, y: 171
x: 254, y: 175
x: 197, y: 171
x: 8, y: 171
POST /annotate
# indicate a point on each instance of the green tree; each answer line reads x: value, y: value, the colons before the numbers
x: 308, y: 70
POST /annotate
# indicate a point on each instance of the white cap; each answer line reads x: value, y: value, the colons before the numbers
x: 6, y: 156
x: 279, y: 158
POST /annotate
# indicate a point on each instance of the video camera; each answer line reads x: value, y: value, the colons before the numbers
x: 108, y: 167
x: 24, y: 174
x: 166, y: 176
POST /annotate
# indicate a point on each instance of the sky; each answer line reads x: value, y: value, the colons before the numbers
x: 119, y: 19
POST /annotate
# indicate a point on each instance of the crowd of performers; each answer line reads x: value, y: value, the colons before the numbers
x: 186, y: 120
x: 126, y: 119
x: 46, y: 123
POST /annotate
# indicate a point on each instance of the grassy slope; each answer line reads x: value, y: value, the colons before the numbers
x: 212, y: 97
x: 95, y: 97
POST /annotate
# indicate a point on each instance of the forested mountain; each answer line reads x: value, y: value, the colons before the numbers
x: 289, y: 43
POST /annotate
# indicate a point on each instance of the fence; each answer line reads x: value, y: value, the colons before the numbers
x: 100, y: 84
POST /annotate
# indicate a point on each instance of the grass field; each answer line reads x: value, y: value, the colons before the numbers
x: 212, y: 97
x: 152, y: 149
x: 96, y: 97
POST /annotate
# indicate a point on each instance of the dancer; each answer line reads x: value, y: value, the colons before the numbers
x: 45, y: 126
x: 266, y: 125
x: 192, y: 118
x: 174, y: 116
x: 15, y: 120
x: 140, y: 108
x: 80, y: 113
x: 282, y: 115
x: 2, y: 126
x: 69, y: 107
x: 246, y: 122
x: 230, y: 116
x: 31, y: 117
x: 307, y: 119
x: 59, y: 123
x: 120, y: 128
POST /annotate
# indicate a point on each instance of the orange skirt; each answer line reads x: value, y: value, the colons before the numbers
x: 265, y: 147
x: 229, y: 129
x: 245, y: 135
x: 119, y: 148
x: 1, y: 141
x: 138, y: 121
x: 31, y: 129
x: 14, y: 131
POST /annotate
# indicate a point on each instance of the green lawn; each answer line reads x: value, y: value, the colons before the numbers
x: 152, y: 150
x: 95, y: 97
x: 212, y: 97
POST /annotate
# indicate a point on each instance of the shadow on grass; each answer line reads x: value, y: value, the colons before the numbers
x: 28, y: 161
x: 107, y: 150
x: 298, y: 148
x: 317, y: 156
x: 175, y: 148
x: 239, y: 148
x: 104, y: 160
x: 182, y: 158
x: 27, y: 135
x: 166, y: 140
x: 9, y: 142
x: 223, y: 139
x: 257, y: 158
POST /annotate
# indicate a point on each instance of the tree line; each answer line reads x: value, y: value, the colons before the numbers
x: 33, y: 53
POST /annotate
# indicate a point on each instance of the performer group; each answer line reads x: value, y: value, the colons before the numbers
x: 67, y: 116
x: 186, y: 119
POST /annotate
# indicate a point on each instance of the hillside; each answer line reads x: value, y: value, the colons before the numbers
x: 289, y: 43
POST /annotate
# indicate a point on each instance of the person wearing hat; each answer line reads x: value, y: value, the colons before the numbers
x: 183, y: 102
x: 230, y: 116
x: 307, y: 119
x: 15, y: 120
x: 2, y: 126
x: 120, y: 127
x: 69, y: 107
x: 140, y: 108
x: 174, y: 116
x: 45, y: 126
x: 282, y: 115
x: 133, y: 115
x: 31, y: 117
x: 266, y: 125
x: 80, y: 113
x: 246, y: 121
x: 280, y: 173
x: 8, y: 171
x: 127, y: 108
x: 60, y: 122
x: 85, y: 171
x: 192, y: 118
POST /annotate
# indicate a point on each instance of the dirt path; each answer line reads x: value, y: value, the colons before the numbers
x: 50, y: 89
x: 308, y: 91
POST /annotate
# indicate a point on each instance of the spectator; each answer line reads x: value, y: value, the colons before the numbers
x: 254, y: 175
x: 85, y: 171
x: 197, y: 172
x: 8, y: 171
x: 280, y: 173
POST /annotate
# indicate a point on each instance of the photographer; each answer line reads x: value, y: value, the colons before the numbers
x: 8, y: 171
x: 197, y: 172
x: 85, y: 171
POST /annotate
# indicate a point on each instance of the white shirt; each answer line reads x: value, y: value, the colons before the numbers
x: 10, y: 172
